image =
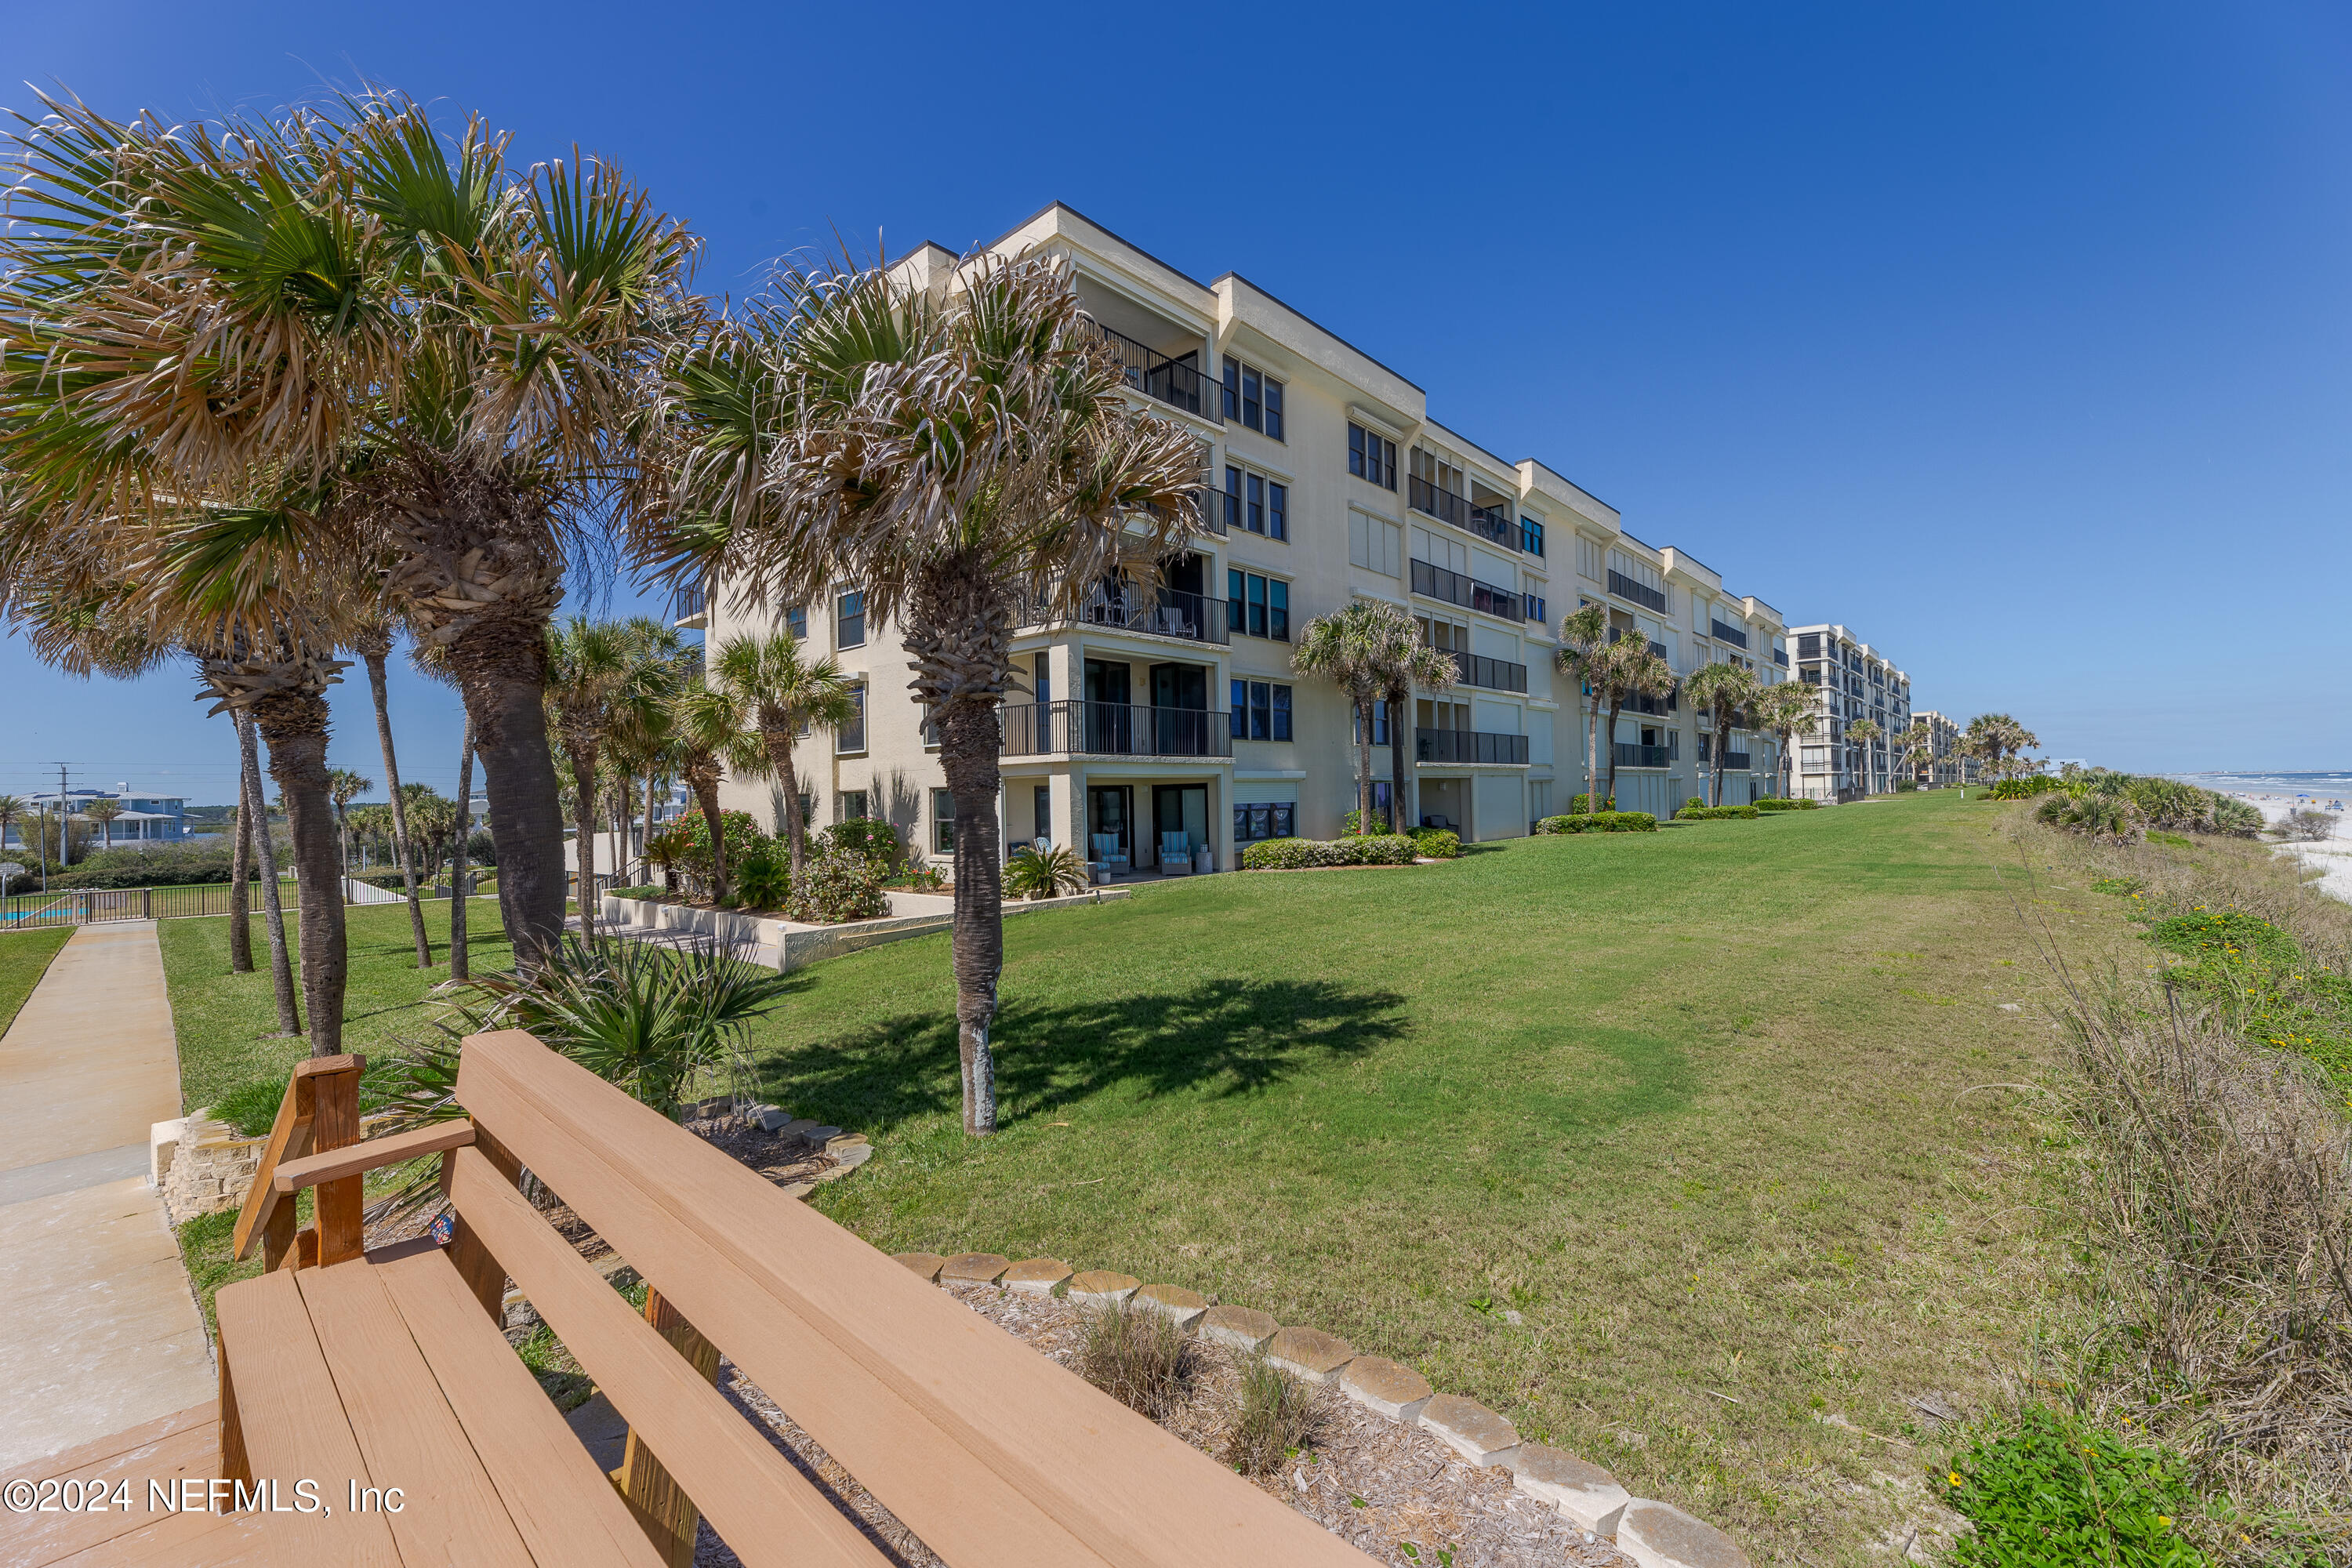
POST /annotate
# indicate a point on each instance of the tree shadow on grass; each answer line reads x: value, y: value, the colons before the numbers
x: 1220, y: 1038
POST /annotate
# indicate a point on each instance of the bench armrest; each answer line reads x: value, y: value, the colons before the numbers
x: 374, y: 1153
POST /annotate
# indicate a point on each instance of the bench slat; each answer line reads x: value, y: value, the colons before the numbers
x: 951, y: 1498
x: 187, y: 1541
x: 567, y: 1511
x: 188, y: 1444
x: 406, y: 1433
x: 762, y: 1506
x: 293, y: 1426
x: 1128, y: 1490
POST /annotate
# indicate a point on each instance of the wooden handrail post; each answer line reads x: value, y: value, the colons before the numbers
x: 290, y: 1139
x: 336, y: 1205
x: 668, y: 1516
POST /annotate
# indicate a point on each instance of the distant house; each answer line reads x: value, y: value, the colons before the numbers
x: 144, y: 819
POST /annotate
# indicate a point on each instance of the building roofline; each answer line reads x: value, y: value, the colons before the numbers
x: 1114, y: 234
x: 1335, y: 337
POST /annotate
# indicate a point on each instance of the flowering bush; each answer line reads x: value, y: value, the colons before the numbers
x: 837, y: 884
x: 867, y: 836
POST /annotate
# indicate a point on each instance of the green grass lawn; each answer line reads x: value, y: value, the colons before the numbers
x: 23, y: 958
x: 1677, y: 1149
x: 227, y: 1022
x: 1698, y: 1107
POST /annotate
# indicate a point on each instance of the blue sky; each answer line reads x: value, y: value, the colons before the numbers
x: 2016, y: 337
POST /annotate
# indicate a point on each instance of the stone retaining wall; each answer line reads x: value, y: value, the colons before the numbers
x: 1653, y: 1534
x: 200, y: 1166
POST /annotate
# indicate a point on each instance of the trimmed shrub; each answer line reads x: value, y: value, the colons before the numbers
x: 1786, y: 803
x: 1713, y: 813
x: 1905, y: 786
x: 1301, y: 854
x: 1601, y: 822
x: 1437, y: 843
x: 837, y: 884
x: 647, y: 891
x: 1696, y: 803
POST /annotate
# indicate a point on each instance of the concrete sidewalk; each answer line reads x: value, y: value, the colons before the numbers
x: 103, y: 1332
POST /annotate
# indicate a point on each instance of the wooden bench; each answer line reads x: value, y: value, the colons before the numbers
x: 389, y: 1369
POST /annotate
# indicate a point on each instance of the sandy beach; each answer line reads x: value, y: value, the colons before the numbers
x: 2332, y: 857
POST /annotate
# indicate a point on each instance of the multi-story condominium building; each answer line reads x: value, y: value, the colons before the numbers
x: 1946, y: 764
x: 1163, y: 725
x: 1856, y: 681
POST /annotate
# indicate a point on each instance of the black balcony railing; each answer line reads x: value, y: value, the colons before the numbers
x: 1633, y: 754
x: 1726, y: 632
x: 1179, y: 383
x: 1439, y: 583
x: 1495, y: 674
x: 1489, y: 522
x: 1780, y: 657
x: 1157, y: 612
x: 1468, y: 746
x: 1624, y: 587
x: 690, y: 601
x: 1737, y: 761
x: 1642, y: 703
x: 1116, y: 729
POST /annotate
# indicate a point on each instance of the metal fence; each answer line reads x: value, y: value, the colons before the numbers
x: 95, y: 906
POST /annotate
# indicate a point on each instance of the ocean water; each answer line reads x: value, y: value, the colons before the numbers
x: 2331, y: 785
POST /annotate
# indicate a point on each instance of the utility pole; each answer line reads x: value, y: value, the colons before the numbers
x: 61, y: 818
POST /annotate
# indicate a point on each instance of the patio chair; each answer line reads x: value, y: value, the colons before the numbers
x: 1107, y: 853
x: 1176, y: 854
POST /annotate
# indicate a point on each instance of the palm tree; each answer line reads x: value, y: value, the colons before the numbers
x: 459, y: 964
x: 1725, y: 692
x: 1630, y: 669
x: 785, y: 693
x: 1343, y: 649
x: 1998, y: 741
x: 257, y: 813
x: 372, y: 643
x: 587, y: 662
x: 956, y: 457
x: 1583, y: 650
x: 1859, y: 733
x: 1785, y: 711
x: 344, y: 787
x: 713, y: 736
x: 448, y: 371
x: 1914, y: 744
x: 103, y: 812
x: 12, y: 815
x: 1402, y: 663
x: 638, y: 739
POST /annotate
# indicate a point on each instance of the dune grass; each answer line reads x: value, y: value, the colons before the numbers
x: 23, y: 958
x: 1673, y: 1148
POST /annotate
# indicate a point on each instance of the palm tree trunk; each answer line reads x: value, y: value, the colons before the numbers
x: 296, y: 729
x: 1398, y: 819
x: 583, y: 784
x: 705, y: 796
x: 970, y: 745
x: 1616, y: 711
x: 779, y: 756
x: 459, y: 967
x: 289, y: 1021
x: 645, y: 845
x: 504, y: 704
x: 240, y: 888
x: 399, y: 809
x: 1363, y: 764
x: 1592, y: 755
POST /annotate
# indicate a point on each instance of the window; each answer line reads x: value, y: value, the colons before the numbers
x: 1252, y: 398
x: 1379, y: 725
x: 1374, y: 544
x: 1371, y: 457
x: 796, y: 622
x: 851, y: 737
x: 849, y: 805
x: 1261, y: 711
x: 1588, y: 558
x: 849, y: 621
x: 1258, y: 605
x: 1044, y: 681
x: 1257, y: 503
x: 1531, y: 536
x: 943, y: 822
x: 1255, y: 821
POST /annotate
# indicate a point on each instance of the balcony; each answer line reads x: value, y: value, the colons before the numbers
x: 1633, y: 754
x: 1780, y: 657
x: 689, y: 606
x: 1495, y: 674
x: 1737, y: 761
x: 1438, y: 582
x: 1725, y: 631
x: 1116, y: 729
x: 1468, y: 746
x: 1624, y: 587
x: 1173, y: 381
x: 1161, y: 613
x: 1642, y: 703
x: 1487, y: 522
